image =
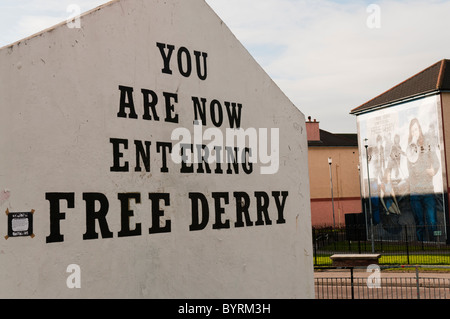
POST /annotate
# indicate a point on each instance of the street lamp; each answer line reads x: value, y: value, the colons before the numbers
x: 363, y: 203
x: 370, y: 197
x: 332, y: 198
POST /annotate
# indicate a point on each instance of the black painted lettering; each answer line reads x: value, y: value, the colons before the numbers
x: 185, y: 168
x: 203, y: 155
x: 219, y: 224
x: 218, y: 151
x: 247, y: 165
x: 56, y: 215
x: 234, y: 116
x: 199, y: 110
x: 184, y: 60
x: 164, y: 147
x: 280, y: 206
x: 126, y: 93
x: 262, y: 204
x: 93, y: 214
x: 204, y: 55
x: 197, y: 222
x: 126, y: 214
x: 142, y: 154
x: 150, y: 104
x: 166, y: 56
x: 116, y: 142
x: 216, y: 118
x: 170, y: 107
x: 157, y: 213
x: 184, y: 71
x: 232, y: 159
x: 242, y: 205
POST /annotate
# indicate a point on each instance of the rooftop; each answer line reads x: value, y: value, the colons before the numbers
x: 332, y: 139
x: 435, y: 78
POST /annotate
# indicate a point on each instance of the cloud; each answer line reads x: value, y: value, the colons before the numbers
x: 20, y: 19
x: 321, y: 53
x: 326, y: 58
x: 28, y: 25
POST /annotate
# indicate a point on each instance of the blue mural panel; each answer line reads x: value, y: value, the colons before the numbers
x: 403, y: 169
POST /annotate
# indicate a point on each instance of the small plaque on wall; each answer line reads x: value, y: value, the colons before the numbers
x: 20, y: 224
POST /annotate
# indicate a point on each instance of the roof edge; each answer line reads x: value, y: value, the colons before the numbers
x: 355, y: 110
x: 398, y: 101
x: 441, y: 74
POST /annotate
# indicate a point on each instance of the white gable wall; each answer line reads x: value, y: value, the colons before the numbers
x: 60, y: 98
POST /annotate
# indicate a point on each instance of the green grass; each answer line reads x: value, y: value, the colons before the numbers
x: 414, y: 259
x: 392, y: 253
x: 355, y: 247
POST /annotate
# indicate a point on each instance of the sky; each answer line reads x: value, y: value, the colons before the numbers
x: 327, y: 56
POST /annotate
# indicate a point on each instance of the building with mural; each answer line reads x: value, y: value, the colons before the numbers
x: 334, y: 177
x: 403, y: 156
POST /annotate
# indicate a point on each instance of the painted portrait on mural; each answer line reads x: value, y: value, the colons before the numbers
x: 423, y: 165
x: 403, y: 161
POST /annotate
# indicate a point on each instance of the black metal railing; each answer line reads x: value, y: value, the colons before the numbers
x: 350, y: 285
x: 400, y: 245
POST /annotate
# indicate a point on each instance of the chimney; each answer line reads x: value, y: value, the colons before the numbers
x: 312, y: 130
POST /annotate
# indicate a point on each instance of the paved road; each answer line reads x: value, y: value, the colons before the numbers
x: 363, y: 273
x: 337, y: 284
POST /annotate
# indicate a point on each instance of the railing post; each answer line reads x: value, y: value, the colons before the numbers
x: 417, y: 282
x: 333, y: 233
x: 407, y: 246
x: 423, y: 248
x: 349, y: 234
x: 351, y: 282
x: 359, y: 239
x: 314, y: 245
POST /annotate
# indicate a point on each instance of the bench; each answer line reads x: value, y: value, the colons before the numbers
x: 349, y: 260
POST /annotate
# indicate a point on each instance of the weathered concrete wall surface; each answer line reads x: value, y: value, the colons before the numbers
x: 91, y: 121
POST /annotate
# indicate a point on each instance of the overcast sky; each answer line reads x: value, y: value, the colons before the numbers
x: 327, y: 56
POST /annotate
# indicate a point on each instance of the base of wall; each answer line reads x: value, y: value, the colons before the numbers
x: 322, y: 211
